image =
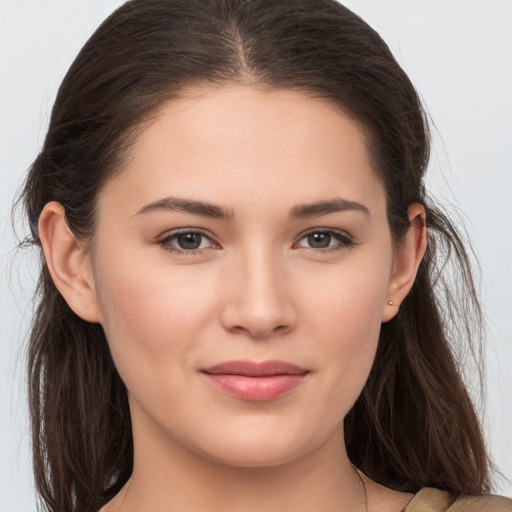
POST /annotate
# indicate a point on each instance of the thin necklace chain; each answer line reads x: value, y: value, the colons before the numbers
x: 364, y: 505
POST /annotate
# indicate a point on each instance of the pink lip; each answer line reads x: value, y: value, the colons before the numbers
x: 256, y: 382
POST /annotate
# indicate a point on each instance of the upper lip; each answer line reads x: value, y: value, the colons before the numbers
x: 255, y: 369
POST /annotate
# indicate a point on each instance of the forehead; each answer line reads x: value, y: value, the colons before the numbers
x: 232, y: 142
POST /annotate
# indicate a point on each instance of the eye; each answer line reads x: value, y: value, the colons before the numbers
x: 324, y: 239
x: 186, y: 242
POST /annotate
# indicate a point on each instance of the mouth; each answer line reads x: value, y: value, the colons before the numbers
x: 257, y: 382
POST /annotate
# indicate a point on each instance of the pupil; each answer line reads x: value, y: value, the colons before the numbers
x: 189, y: 241
x: 319, y: 240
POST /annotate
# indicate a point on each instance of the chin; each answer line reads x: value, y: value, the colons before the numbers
x: 255, y: 456
x: 259, y: 447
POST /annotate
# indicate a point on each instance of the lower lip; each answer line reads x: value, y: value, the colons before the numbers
x: 256, y: 389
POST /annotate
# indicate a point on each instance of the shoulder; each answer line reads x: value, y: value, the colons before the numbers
x: 434, y: 500
x: 481, y: 504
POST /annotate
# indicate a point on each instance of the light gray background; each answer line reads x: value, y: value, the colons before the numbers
x: 458, y: 54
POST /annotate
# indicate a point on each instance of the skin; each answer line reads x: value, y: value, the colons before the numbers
x: 256, y: 290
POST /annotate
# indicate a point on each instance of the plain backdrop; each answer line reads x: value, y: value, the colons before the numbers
x: 457, y: 53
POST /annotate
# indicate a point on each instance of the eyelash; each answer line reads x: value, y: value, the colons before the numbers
x: 344, y: 241
x: 165, y: 242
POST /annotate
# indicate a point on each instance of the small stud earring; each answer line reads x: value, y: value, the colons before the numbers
x: 391, y: 303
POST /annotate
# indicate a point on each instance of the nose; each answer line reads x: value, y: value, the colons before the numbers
x: 257, y: 297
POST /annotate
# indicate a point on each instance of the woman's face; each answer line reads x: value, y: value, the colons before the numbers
x: 248, y: 227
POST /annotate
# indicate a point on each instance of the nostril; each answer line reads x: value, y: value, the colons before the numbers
x: 259, y: 331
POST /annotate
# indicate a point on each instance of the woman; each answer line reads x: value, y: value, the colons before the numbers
x: 237, y: 294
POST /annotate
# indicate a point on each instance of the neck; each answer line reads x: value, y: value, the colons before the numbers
x: 167, y: 477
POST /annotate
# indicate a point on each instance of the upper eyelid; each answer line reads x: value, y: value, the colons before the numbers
x: 345, y: 240
x: 168, y: 236
x: 340, y: 232
x: 179, y: 231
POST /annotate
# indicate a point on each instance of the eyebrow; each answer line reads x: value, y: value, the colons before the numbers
x: 204, y: 209
x: 325, y: 207
x: 175, y: 204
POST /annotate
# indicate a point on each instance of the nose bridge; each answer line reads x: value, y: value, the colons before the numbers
x: 258, y: 302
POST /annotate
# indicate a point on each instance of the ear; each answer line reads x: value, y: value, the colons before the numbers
x: 408, y: 257
x: 68, y: 263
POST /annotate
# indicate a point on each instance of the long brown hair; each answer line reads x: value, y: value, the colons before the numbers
x: 414, y: 424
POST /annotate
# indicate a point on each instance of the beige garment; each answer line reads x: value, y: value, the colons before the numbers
x: 434, y: 500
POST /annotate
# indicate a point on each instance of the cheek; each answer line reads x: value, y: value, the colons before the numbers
x: 346, y: 309
x: 151, y: 316
x: 352, y: 321
x: 349, y: 298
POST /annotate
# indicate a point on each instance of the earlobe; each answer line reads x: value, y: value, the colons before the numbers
x: 407, y: 261
x: 68, y: 263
